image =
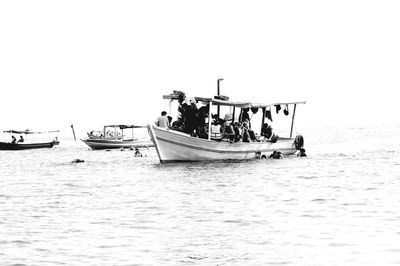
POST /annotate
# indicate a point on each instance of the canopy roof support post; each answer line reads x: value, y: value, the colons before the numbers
x: 233, y: 114
x: 218, y: 93
x: 291, y: 128
x: 263, y: 119
x: 209, y: 120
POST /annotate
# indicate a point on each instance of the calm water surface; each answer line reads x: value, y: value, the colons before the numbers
x: 338, y: 206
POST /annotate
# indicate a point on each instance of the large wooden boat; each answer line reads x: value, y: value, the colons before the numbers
x: 176, y: 146
x: 28, y: 144
x: 113, y: 137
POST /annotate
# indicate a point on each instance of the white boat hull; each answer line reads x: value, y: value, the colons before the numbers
x: 174, y: 146
x: 98, y: 144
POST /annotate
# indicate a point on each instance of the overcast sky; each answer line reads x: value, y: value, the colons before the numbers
x: 92, y: 63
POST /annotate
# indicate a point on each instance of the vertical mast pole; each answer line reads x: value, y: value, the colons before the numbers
x: 291, y: 128
x: 218, y: 81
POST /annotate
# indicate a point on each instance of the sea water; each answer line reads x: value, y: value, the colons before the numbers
x: 338, y: 206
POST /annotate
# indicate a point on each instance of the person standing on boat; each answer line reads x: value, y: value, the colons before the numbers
x: 163, y: 121
x: 190, y: 121
x: 244, y: 116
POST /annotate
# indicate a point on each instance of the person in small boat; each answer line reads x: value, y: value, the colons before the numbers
x: 13, y: 139
x: 21, y: 139
x: 276, y: 155
x: 302, y: 153
x: 162, y: 121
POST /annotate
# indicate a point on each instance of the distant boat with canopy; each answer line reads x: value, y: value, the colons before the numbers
x: 180, y: 146
x: 116, y: 136
x: 28, y: 142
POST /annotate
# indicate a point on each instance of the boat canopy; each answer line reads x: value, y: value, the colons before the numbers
x: 27, y: 131
x: 245, y: 104
x: 124, y: 126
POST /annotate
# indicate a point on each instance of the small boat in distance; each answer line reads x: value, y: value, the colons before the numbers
x: 200, y: 143
x: 27, y: 143
x: 114, y: 137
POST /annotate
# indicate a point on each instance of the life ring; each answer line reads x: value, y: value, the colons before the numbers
x: 299, y: 142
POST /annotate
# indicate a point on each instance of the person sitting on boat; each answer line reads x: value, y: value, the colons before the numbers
x: 21, y: 139
x: 227, y: 131
x: 248, y: 133
x: 202, y: 127
x: 253, y: 136
x: 245, y: 132
x: 266, y: 131
x: 178, y: 124
x: 238, y: 132
x: 13, y: 139
x: 162, y: 121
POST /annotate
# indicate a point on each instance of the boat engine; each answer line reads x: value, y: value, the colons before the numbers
x: 299, y: 142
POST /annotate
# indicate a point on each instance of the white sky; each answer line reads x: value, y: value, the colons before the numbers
x: 92, y: 63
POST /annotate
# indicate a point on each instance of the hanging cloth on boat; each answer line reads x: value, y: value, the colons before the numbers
x: 268, y: 113
x: 278, y: 108
x: 286, y: 110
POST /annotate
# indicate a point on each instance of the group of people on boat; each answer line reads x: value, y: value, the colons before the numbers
x: 193, y: 121
x: 14, y: 140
